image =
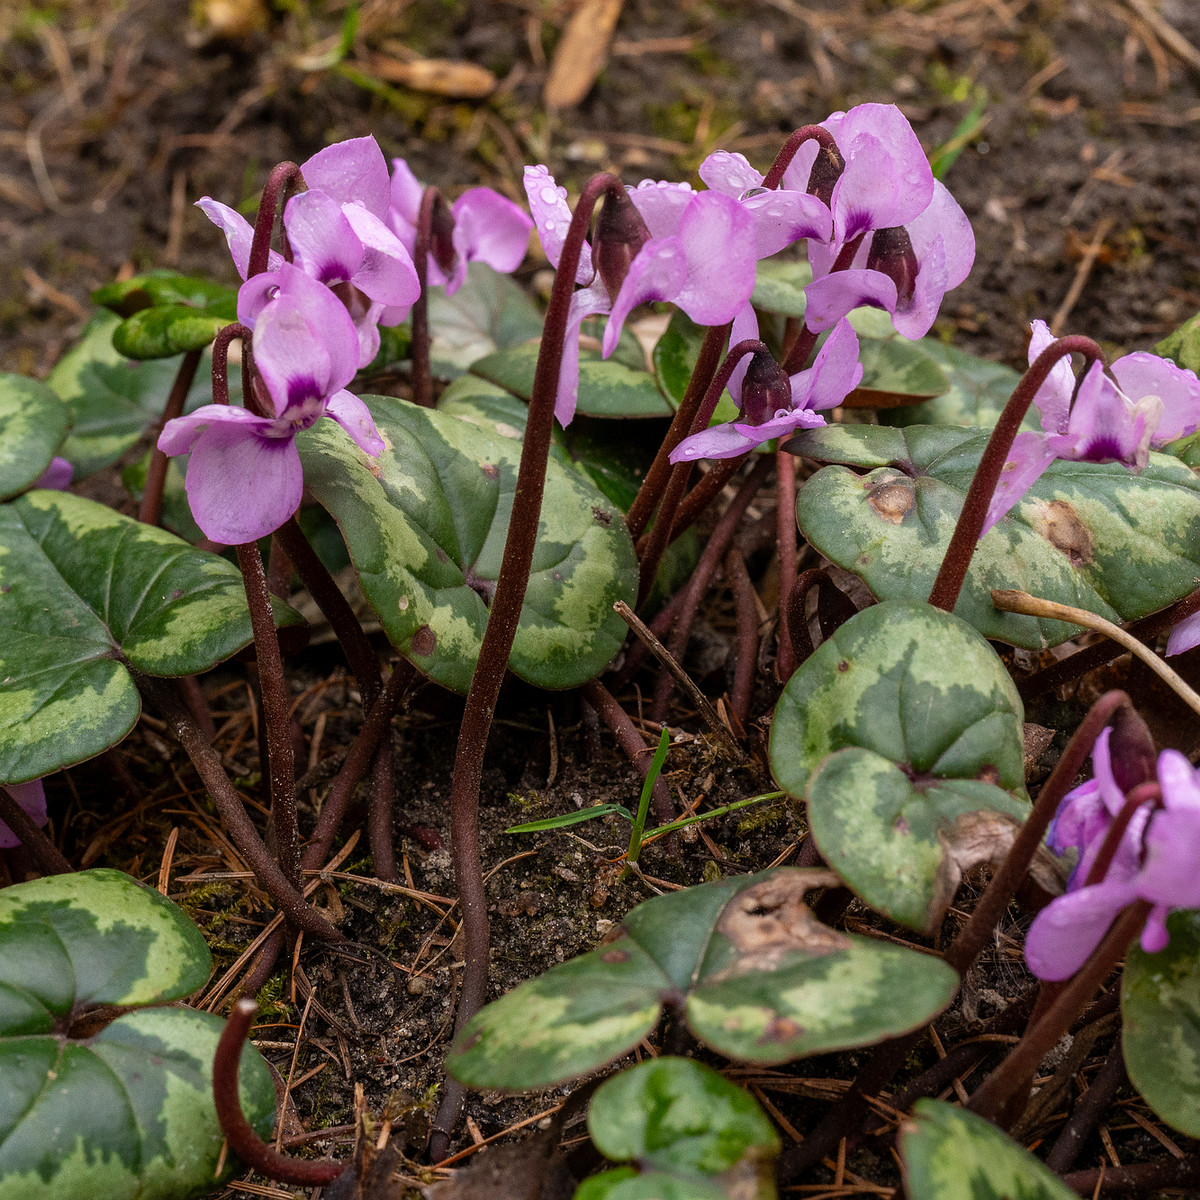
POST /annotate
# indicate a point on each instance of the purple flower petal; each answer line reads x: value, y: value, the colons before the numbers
x: 1029, y: 457
x: 718, y: 242
x: 355, y: 418
x: 1185, y: 635
x: 404, y: 201
x: 835, y: 372
x: 552, y: 216
x: 57, y: 475
x: 781, y: 218
x: 323, y: 242
x: 718, y: 441
x: 1154, y: 933
x: 1169, y: 875
x: 180, y: 435
x: 1064, y: 934
x: 780, y: 425
x: 387, y: 274
x: 661, y: 204
x: 1105, y: 427
x: 1054, y: 396
x: 352, y: 172
x: 658, y: 272
x: 587, y: 302
x: 239, y: 233
x: 745, y: 329
x: 1144, y: 374
x: 242, y: 486
x: 729, y: 173
x: 830, y: 298
x: 489, y: 228
x: 32, y: 798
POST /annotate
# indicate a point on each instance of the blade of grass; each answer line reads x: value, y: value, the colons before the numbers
x: 639, y: 822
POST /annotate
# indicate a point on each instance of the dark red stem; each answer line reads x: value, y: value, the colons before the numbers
x: 422, y: 371
x: 279, y: 185
x: 785, y: 541
x: 783, y: 160
x: 707, y: 489
x: 711, y: 556
x: 243, y: 1141
x: 503, y: 615
x: 46, y: 854
x: 1089, y: 1110
x: 649, y: 494
x: 1149, y: 792
x: 747, y: 633
x: 220, y: 361
x: 150, y: 509
x: 633, y: 745
x: 379, y: 815
x: 959, y: 553
x: 651, y: 547
x: 1141, y: 1179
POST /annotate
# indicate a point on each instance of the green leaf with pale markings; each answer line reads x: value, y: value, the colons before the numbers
x: 33, y: 421
x: 426, y: 523
x: 895, y: 373
x: 779, y: 287
x: 1182, y: 346
x: 951, y: 1154
x: 679, y: 1119
x: 607, y: 387
x: 1160, y: 1004
x: 905, y: 734
x: 1092, y: 535
x: 166, y: 313
x: 114, y: 399
x: 758, y: 978
x: 127, y: 1113
x: 86, y: 593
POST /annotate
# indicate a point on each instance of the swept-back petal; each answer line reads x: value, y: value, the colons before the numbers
x: 782, y: 218
x: 658, y: 272
x: 832, y: 296
x: 355, y: 418
x: 1143, y: 374
x: 718, y: 241
x: 587, y: 302
x: 729, y: 173
x: 835, y: 372
x: 662, y: 204
x: 1064, y: 934
x: 1169, y: 874
x: 552, y: 216
x: 1185, y: 635
x: 404, y: 197
x: 386, y: 274
x: 1029, y: 457
x: 1105, y: 427
x: 239, y: 233
x: 323, y: 242
x: 352, y: 172
x: 718, y: 441
x: 1054, y: 396
x: 488, y: 228
x: 745, y: 329
x: 180, y: 435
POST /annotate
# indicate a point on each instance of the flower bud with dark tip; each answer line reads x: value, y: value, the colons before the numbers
x: 620, y: 234
x: 441, y: 236
x: 766, y: 390
x: 892, y: 253
x: 1131, y: 748
x: 826, y: 171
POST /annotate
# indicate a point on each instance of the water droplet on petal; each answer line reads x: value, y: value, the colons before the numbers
x: 551, y: 226
x: 781, y: 412
x: 691, y: 452
x: 549, y: 195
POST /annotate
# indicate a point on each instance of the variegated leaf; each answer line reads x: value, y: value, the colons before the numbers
x: 33, y: 422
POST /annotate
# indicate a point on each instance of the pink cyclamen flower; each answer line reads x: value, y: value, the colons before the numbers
x: 700, y: 255
x: 834, y: 374
x: 1146, y: 401
x: 488, y: 228
x: 32, y: 798
x: 57, y: 475
x: 1155, y: 861
x: 244, y: 477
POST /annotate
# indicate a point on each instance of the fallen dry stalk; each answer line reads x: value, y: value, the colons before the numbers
x: 1014, y: 601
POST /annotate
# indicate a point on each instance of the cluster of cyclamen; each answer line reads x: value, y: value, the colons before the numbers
x: 1154, y: 861
x: 315, y: 322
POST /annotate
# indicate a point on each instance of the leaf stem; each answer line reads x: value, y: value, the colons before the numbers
x: 492, y: 664
x: 283, y: 178
x: 967, y: 531
x: 150, y: 508
x: 422, y: 371
x: 46, y: 854
x: 785, y: 544
x: 747, y: 633
x: 243, y: 1141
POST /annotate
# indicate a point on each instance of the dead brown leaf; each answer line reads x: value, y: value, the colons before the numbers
x: 581, y: 53
x: 437, y: 76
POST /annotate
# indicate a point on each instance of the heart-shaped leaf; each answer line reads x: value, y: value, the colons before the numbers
x: 1183, y: 344
x: 176, y: 510
x: 86, y: 593
x: 678, y: 1118
x: 33, y: 421
x: 130, y: 1114
x: 607, y: 387
x: 488, y: 313
x: 895, y: 373
x: 114, y: 399
x: 758, y: 978
x: 1160, y: 1004
x: 906, y: 734
x: 779, y: 287
x: 1092, y: 535
x: 166, y: 313
x: 951, y: 1154
x: 425, y: 525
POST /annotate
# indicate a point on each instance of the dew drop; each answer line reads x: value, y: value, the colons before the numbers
x: 691, y: 452
x: 551, y: 226
x: 549, y: 195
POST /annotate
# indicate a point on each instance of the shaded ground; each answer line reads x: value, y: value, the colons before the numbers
x: 114, y: 118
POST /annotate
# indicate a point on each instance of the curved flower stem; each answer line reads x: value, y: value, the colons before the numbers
x: 46, y: 854
x: 1097, y: 655
x: 883, y: 1064
x: 498, y: 637
x: 1014, y: 1075
x: 1089, y: 1109
x: 422, y: 371
x: 243, y: 1141
x: 235, y: 331
x: 1022, y: 602
x: 280, y: 182
x: 242, y: 832
x: 657, y: 540
x: 783, y: 160
x: 707, y: 489
x: 649, y: 494
x: 747, y: 633
x: 711, y: 556
x: 277, y: 704
x: 785, y: 542
x: 806, y: 339
x: 150, y: 508
x: 959, y: 553
x: 379, y: 815
x: 1149, y: 792
x: 632, y: 743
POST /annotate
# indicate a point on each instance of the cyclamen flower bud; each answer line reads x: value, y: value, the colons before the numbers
x: 826, y: 170
x: 620, y: 234
x: 766, y: 390
x: 1132, y: 751
x: 441, y: 236
x: 892, y: 254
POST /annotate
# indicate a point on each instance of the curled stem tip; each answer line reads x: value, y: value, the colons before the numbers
x: 284, y: 177
x: 243, y: 1141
